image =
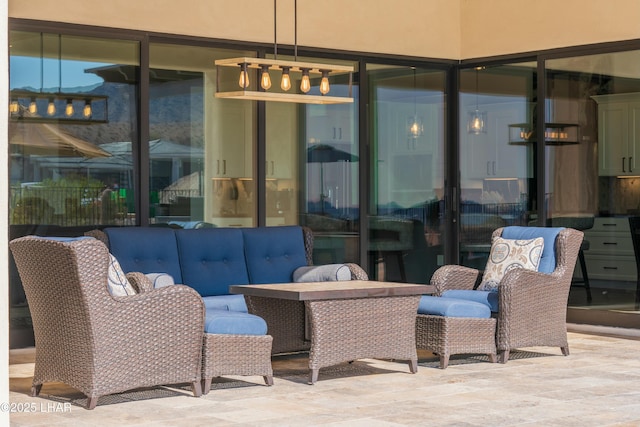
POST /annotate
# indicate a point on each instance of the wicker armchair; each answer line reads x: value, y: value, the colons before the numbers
x: 97, y: 343
x: 532, y: 305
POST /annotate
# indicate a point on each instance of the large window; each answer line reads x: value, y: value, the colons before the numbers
x: 594, y: 176
x: 72, y: 129
x: 407, y: 172
x: 497, y: 155
x: 200, y: 147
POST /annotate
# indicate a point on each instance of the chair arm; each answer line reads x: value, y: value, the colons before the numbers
x: 357, y: 272
x: 140, y: 282
x: 529, y: 295
x: 450, y: 277
x: 153, y: 332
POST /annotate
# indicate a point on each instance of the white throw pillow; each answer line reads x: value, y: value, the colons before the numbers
x: 508, y: 254
x: 118, y: 284
x: 322, y: 273
x: 160, y: 280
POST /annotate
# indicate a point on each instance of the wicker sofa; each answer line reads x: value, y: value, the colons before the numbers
x: 211, y: 259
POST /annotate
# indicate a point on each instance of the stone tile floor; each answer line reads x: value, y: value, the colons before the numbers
x: 597, y: 385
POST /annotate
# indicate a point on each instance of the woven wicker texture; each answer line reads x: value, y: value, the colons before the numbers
x: 358, y: 328
x: 533, y: 306
x: 446, y: 336
x: 236, y: 355
x: 99, y: 344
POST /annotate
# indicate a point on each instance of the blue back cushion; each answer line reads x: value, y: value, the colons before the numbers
x: 145, y: 249
x: 273, y: 253
x: 549, y: 234
x: 212, y: 259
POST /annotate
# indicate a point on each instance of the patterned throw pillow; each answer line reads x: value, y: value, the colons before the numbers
x: 509, y: 254
x: 118, y: 284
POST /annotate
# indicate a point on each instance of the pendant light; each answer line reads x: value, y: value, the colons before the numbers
x: 477, y: 121
x: 305, y: 70
x: 415, y: 124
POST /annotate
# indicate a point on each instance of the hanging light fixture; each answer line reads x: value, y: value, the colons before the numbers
x: 415, y: 124
x: 305, y: 93
x: 26, y: 101
x: 477, y: 121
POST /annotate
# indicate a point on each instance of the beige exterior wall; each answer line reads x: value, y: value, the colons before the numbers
x: 500, y: 27
x: 401, y: 27
x: 448, y: 29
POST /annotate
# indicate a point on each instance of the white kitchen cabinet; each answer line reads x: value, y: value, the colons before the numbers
x: 610, y: 255
x: 281, y: 141
x: 330, y: 123
x: 232, y: 149
x: 618, y: 134
x: 406, y: 167
x: 489, y: 155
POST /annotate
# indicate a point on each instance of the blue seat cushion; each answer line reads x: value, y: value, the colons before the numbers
x: 452, y: 307
x: 146, y: 250
x: 548, y: 259
x: 273, y: 253
x: 212, y: 259
x: 226, y: 302
x: 233, y: 323
x: 488, y: 298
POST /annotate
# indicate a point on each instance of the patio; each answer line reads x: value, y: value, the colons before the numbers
x: 597, y: 385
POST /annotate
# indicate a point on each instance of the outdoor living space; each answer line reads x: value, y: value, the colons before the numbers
x: 597, y: 385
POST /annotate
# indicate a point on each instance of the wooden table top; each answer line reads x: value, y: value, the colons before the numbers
x: 309, y: 291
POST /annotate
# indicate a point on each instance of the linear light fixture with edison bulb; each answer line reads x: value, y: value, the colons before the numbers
x: 58, y: 106
x: 306, y: 72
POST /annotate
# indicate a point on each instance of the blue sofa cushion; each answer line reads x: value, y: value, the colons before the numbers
x: 273, y: 253
x: 549, y: 234
x: 212, y: 259
x: 226, y: 302
x: 234, y: 323
x: 488, y: 298
x: 452, y: 307
x: 145, y: 249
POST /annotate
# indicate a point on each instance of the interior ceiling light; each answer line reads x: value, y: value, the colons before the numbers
x: 268, y: 67
x: 416, y: 126
x: 477, y: 121
x: 554, y: 134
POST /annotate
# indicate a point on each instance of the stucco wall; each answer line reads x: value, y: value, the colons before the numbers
x: 448, y: 29
x: 402, y: 27
x: 500, y: 27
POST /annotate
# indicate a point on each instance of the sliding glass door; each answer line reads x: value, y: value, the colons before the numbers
x: 497, y: 155
x: 407, y: 123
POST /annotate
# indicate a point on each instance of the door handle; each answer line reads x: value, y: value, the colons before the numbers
x: 224, y: 167
x: 623, y: 164
x: 630, y: 170
x: 218, y: 167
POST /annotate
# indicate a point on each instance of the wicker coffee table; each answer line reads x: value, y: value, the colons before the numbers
x: 348, y: 320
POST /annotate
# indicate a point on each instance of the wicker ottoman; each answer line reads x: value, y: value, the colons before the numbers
x: 445, y: 335
x: 224, y: 354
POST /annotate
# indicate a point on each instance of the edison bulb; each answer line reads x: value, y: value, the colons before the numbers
x: 265, y: 79
x: 51, y: 108
x: 324, y: 83
x: 285, y: 83
x: 243, y: 81
x: 86, y: 111
x: 33, y: 108
x: 68, y: 111
x: 305, y: 83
